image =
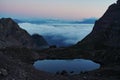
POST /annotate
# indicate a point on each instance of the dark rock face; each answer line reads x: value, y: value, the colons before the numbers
x: 106, y: 30
x: 118, y: 2
x: 105, y: 37
x: 12, y: 35
x: 40, y: 41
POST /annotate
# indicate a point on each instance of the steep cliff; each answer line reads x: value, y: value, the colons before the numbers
x: 104, y: 40
x: 12, y: 35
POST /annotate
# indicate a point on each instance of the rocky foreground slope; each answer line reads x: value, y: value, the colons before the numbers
x: 16, y: 64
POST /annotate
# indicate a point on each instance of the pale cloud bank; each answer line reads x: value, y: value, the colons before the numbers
x: 59, y: 34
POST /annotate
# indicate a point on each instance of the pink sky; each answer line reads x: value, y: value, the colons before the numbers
x: 63, y: 9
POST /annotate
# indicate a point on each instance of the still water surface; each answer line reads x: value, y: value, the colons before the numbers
x: 76, y: 65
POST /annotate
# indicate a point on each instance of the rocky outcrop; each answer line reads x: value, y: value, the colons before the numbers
x: 39, y: 41
x: 12, y: 35
x: 118, y: 2
x: 104, y: 40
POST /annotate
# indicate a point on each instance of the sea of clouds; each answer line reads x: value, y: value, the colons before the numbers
x: 59, y: 34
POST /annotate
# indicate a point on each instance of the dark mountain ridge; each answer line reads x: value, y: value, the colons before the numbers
x: 104, y: 40
x: 17, y: 55
x: 12, y: 35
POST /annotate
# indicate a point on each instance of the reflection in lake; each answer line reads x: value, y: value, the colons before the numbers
x: 75, y: 66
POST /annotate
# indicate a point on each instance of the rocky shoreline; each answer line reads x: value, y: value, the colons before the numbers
x: 14, y: 65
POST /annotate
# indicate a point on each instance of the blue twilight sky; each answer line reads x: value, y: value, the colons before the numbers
x: 58, y: 9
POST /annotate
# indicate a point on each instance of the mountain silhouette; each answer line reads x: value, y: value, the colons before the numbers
x: 12, y: 35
